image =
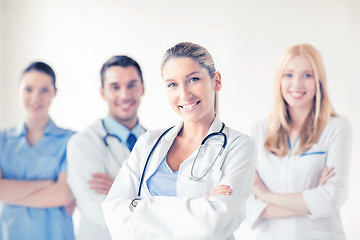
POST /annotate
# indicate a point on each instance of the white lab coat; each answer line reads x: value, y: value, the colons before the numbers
x: 190, y: 215
x: 295, y: 173
x: 87, y: 154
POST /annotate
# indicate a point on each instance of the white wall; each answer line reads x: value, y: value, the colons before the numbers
x: 2, y: 81
x: 246, y: 39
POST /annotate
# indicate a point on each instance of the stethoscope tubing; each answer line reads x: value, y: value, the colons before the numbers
x: 108, y: 134
x: 193, y: 177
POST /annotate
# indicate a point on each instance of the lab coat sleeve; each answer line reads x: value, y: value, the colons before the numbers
x: 326, y: 199
x: 85, y: 158
x: 183, y: 218
x: 254, y: 206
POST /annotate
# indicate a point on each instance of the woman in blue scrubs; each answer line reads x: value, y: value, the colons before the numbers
x: 35, y: 200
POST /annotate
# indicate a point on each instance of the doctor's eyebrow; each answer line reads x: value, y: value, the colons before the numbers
x: 133, y: 81
x: 191, y: 74
x: 187, y: 76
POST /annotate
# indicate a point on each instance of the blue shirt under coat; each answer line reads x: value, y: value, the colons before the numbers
x: 120, y: 130
x: 43, y: 161
x: 163, y: 181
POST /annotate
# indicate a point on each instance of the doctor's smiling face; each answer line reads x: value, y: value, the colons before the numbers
x: 123, y: 89
x: 190, y: 89
x: 36, y: 91
x: 298, y: 84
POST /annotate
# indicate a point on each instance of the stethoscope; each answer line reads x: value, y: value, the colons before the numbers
x: 108, y: 134
x: 135, y: 201
x: 107, y: 145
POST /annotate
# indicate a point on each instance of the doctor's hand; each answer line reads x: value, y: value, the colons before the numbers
x: 221, y: 190
x: 101, y: 183
x: 259, y: 188
x: 70, y: 208
x: 326, y: 174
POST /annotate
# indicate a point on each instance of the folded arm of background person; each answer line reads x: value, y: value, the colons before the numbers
x: 14, y: 190
x: 54, y: 195
x: 84, y: 159
x: 318, y: 202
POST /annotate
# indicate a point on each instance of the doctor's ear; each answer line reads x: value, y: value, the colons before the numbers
x: 102, y: 92
x: 218, y: 84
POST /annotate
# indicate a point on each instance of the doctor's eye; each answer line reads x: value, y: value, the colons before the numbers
x: 28, y: 89
x: 130, y: 86
x: 114, y: 87
x: 288, y: 75
x: 44, y: 90
x: 171, y: 85
x: 194, y: 79
x: 307, y: 75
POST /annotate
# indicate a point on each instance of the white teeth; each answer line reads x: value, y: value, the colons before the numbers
x: 297, y: 94
x: 189, y: 106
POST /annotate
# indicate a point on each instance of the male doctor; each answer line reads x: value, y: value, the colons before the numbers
x: 95, y: 155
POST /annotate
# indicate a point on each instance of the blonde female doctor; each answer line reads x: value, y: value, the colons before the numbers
x: 191, y: 181
x: 303, y: 156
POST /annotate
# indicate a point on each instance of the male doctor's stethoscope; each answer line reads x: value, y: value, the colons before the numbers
x: 105, y: 140
x: 135, y: 201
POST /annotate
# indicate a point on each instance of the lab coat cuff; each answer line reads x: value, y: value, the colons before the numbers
x: 312, y: 198
x: 254, y: 208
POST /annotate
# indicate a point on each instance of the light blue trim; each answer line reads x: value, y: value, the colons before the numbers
x: 311, y: 153
x: 289, y: 144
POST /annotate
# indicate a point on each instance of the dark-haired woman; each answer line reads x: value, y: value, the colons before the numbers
x: 35, y: 199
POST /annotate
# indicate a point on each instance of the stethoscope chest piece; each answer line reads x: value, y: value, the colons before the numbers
x: 134, y: 203
x: 204, y: 174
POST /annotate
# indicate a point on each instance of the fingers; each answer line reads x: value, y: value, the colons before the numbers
x: 326, y: 174
x: 100, y: 175
x: 71, y: 207
x: 221, y: 190
x: 256, y: 176
x: 101, y: 183
x: 101, y: 178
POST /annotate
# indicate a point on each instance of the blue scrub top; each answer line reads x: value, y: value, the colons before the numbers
x: 163, y: 181
x: 43, y: 161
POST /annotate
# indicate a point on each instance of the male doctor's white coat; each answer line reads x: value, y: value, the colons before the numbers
x: 192, y: 214
x: 87, y: 154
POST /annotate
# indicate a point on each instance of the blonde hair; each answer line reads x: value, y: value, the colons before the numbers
x: 196, y: 52
x: 279, y: 120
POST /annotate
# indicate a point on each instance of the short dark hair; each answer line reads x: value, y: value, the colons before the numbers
x: 121, y: 61
x: 44, y: 68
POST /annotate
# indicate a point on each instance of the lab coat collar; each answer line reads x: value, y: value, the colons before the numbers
x: 120, y: 130
x: 165, y: 144
x: 215, y: 126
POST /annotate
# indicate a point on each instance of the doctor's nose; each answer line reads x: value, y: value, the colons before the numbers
x: 35, y: 96
x: 185, y: 93
x: 124, y: 93
x: 296, y: 80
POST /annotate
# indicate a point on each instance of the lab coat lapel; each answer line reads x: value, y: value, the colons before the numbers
x: 215, y: 126
x: 162, y: 149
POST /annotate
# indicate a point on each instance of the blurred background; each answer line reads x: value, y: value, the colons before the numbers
x: 245, y: 38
